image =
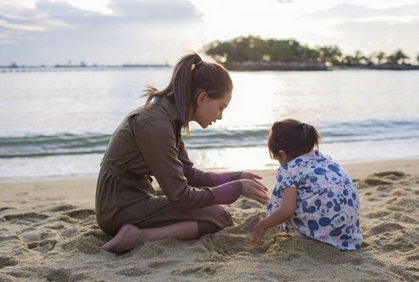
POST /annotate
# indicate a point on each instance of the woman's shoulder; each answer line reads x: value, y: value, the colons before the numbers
x: 157, y: 114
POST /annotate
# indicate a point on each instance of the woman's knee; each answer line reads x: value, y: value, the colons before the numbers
x: 205, y: 227
x: 223, y: 217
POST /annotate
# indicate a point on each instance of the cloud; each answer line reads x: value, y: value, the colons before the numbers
x: 371, y: 28
x: 92, y: 6
x: 50, y: 15
x: 345, y: 11
x: 136, y: 32
x: 156, y: 10
x: 380, y: 36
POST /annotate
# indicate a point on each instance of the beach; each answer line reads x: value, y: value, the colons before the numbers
x: 48, y: 232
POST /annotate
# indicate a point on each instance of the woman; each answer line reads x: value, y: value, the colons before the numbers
x: 149, y: 142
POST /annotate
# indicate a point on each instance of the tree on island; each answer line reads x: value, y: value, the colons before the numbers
x: 380, y: 56
x: 329, y: 55
x: 397, y: 57
x: 357, y: 59
x: 256, y: 50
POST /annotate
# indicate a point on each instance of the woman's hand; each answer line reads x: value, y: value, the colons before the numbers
x: 259, y: 231
x: 249, y: 175
x: 252, y: 176
x: 255, y: 190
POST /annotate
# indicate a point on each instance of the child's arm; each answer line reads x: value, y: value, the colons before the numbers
x: 282, y: 214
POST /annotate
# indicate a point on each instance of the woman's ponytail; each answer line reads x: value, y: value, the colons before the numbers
x: 182, y: 85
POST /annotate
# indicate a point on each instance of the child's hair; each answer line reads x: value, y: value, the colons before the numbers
x: 293, y: 137
x: 191, y: 76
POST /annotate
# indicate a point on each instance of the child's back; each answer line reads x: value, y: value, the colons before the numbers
x: 314, y: 196
x: 327, y: 201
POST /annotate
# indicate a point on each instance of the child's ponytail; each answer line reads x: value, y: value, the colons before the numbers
x: 311, y: 136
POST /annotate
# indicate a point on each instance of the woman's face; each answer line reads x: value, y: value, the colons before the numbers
x: 209, y: 110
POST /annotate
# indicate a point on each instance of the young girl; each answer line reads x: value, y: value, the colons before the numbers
x: 314, y: 196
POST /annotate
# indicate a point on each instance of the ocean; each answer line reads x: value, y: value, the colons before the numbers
x: 56, y: 123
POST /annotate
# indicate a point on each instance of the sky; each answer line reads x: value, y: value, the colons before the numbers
x: 114, y: 32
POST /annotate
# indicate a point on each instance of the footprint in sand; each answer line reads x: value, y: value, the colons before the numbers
x: 40, y: 240
x: 62, y: 208
x: 208, y: 269
x: 7, y: 261
x: 397, y: 174
x: 371, y: 181
x: 61, y: 275
x: 414, y: 258
x: 88, y: 240
x: 403, y: 241
x: 43, y: 246
x: 25, y: 218
x: 6, y: 208
x: 162, y: 264
x: 135, y: 272
x: 80, y: 214
x: 33, y: 235
x: 4, y: 238
x: 384, y: 227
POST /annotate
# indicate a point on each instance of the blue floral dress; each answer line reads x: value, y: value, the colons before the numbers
x: 327, y: 201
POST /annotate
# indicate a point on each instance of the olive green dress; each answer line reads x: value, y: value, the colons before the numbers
x: 148, y: 143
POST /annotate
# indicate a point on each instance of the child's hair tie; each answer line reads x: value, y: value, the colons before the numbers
x: 302, y: 125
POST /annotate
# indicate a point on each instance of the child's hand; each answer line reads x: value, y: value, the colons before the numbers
x: 258, y: 232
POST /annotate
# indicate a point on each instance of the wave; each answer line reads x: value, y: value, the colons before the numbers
x: 95, y: 143
x: 62, y: 144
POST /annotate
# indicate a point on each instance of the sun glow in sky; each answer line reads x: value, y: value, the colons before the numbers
x: 159, y: 31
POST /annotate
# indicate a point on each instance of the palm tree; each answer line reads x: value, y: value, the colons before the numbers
x: 330, y: 55
x: 400, y: 56
x: 359, y: 58
x: 348, y: 60
x: 380, y: 56
x: 391, y: 59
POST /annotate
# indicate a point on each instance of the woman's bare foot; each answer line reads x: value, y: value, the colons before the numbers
x: 128, y: 237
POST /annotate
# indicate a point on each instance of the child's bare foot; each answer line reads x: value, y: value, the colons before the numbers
x: 128, y: 237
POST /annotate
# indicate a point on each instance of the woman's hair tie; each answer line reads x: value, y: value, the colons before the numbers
x: 196, y: 65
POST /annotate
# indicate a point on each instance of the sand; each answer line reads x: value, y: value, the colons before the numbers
x: 48, y: 233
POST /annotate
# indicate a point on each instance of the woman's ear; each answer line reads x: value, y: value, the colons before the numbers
x: 202, y: 96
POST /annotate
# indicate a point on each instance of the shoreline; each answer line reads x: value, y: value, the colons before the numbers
x: 312, y: 66
x: 238, y: 67
x: 356, y: 169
